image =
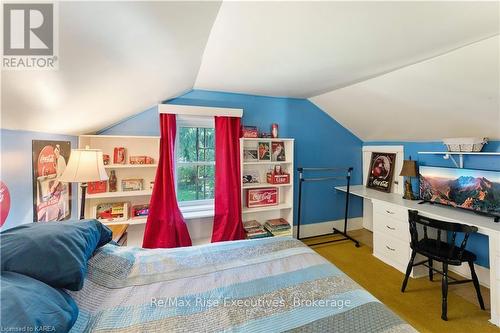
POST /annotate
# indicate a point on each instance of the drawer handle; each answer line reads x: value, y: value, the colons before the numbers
x: 389, y: 212
x: 389, y: 248
x: 390, y: 228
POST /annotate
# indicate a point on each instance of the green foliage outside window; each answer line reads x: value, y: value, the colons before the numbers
x: 195, y: 164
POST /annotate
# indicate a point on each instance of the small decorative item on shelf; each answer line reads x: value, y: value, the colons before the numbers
x: 278, y: 151
x: 151, y: 185
x: 105, y: 159
x: 278, y: 227
x: 132, y: 184
x: 264, y: 151
x: 119, y: 155
x: 409, y: 170
x: 266, y: 135
x: 274, y: 130
x: 113, y: 182
x: 251, y: 177
x: 140, y: 210
x: 141, y: 160
x: 96, y: 187
x: 381, y: 171
x: 278, y: 176
x: 250, y: 131
x: 250, y: 155
x: 262, y: 197
x: 111, y: 212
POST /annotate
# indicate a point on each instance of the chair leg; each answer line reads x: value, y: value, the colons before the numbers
x: 431, y: 272
x: 444, y: 289
x: 476, y: 284
x: 408, y: 271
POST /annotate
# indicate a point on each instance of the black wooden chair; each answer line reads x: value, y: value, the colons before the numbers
x: 445, y: 252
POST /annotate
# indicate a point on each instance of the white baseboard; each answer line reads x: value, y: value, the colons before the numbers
x: 313, y: 229
x: 483, y: 273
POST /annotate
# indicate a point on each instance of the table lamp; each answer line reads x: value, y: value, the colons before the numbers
x: 84, y: 165
x: 409, y: 170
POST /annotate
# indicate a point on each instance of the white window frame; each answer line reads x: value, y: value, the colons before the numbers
x: 193, y: 206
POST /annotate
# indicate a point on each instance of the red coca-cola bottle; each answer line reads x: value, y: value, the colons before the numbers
x: 113, y: 182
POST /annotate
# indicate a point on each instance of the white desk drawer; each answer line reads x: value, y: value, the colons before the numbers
x: 394, y: 250
x: 391, y: 227
x: 390, y: 210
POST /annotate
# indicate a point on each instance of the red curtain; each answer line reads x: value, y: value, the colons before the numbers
x: 165, y: 226
x: 227, y: 219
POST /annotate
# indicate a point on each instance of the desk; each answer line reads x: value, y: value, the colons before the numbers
x: 391, y: 234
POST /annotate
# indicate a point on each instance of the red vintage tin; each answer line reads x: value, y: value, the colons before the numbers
x: 262, y: 197
x: 119, y: 155
x: 96, y: 187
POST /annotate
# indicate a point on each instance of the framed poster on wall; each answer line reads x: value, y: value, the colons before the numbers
x: 381, y: 171
x: 51, y: 198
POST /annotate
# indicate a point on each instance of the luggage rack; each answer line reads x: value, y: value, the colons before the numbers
x: 335, y: 231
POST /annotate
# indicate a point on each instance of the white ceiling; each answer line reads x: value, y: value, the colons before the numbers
x: 120, y: 58
x: 116, y: 59
x: 454, y: 95
x: 302, y: 49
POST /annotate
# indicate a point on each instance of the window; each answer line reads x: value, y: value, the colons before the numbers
x: 195, y: 162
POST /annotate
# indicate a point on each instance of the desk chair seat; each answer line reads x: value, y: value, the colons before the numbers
x: 442, y: 251
x: 445, y: 252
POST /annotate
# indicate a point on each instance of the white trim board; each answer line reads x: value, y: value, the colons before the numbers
x: 314, y: 229
x: 191, y: 110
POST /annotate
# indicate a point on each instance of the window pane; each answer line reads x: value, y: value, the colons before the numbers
x: 196, y: 144
x: 195, y: 182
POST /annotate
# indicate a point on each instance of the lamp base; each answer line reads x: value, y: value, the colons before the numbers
x: 409, y: 191
x: 83, y: 186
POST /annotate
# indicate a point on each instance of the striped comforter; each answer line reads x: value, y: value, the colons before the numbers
x: 268, y: 285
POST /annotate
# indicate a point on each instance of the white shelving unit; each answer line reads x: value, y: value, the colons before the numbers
x: 135, y: 146
x: 450, y: 154
x: 285, y: 191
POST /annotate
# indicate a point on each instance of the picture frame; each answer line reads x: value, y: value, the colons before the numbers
x: 278, y: 153
x: 51, y: 198
x: 264, y: 150
x: 250, y: 154
x: 381, y: 171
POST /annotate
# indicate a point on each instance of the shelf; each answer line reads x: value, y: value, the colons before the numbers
x: 130, y: 166
x: 266, y: 162
x: 119, y: 194
x: 460, y: 163
x: 132, y: 221
x: 265, y: 209
x: 265, y: 185
x: 458, y: 153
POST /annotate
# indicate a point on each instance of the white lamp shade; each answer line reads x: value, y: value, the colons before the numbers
x: 85, y: 165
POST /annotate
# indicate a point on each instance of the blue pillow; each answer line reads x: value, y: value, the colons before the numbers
x: 28, y: 305
x: 53, y: 252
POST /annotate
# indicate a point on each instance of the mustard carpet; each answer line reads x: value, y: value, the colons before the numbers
x: 420, y: 305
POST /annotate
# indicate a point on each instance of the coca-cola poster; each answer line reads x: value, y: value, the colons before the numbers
x: 381, y: 171
x: 51, y: 198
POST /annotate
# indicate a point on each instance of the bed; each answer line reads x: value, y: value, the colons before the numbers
x: 268, y: 285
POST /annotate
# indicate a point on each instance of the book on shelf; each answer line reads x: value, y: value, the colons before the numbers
x: 284, y: 232
x: 254, y: 229
x: 277, y: 225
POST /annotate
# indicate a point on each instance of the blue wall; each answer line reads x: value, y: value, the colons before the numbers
x: 477, y: 243
x: 16, y: 172
x: 319, y: 141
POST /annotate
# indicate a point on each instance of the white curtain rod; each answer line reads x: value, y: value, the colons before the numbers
x: 192, y: 110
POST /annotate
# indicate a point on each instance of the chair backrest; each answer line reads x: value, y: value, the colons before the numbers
x: 440, y: 227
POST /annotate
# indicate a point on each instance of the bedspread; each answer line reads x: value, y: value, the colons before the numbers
x: 267, y: 285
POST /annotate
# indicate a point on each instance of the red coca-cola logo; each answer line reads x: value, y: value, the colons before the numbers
x: 46, y: 161
x: 261, y: 196
x: 4, y: 202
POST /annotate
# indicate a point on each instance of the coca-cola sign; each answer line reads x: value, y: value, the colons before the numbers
x: 262, y: 197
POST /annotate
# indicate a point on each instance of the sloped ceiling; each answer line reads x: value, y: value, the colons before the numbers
x: 453, y: 95
x: 302, y: 49
x: 120, y: 58
x: 116, y: 59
